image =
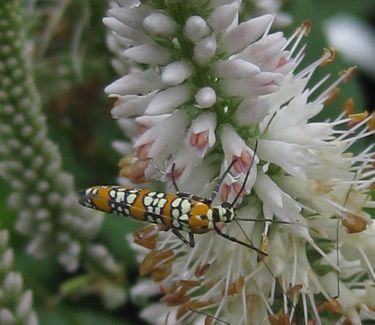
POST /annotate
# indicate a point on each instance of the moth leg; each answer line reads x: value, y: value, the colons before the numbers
x: 190, y: 242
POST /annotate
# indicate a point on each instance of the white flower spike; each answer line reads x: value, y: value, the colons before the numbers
x: 210, y: 89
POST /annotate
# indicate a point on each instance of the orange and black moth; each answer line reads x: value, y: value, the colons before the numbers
x: 180, y: 212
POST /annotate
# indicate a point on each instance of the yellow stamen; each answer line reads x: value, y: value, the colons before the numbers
x: 354, y: 223
x: 371, y: 122
x: 349, y: 106
x: 202, y: 270
x: 189, y: 283
x: 263, y: 247
x: 328, y: 56
x: 283, y: 319
x: 192, y: 305
x: 347, y: 74
x: 332, y: 96
x: 160, y: 273
x: 322, y: 187
x: 208, y: 320
x: 154, y: 259
x: 177, y: 298
x: 147, y: 236
x: 293, y: 290
x: 332, y: 306
x: 305, y: 27
x: 357, y: 118
x: 235, y: 287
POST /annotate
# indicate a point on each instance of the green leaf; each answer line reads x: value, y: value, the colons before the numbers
x: 65, y: 314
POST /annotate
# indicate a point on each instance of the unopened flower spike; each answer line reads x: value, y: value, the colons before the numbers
x: 16, y: 303
x: 42, y: 194
x: 206, y: 89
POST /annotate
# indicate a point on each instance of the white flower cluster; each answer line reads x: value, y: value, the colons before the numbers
x: 16, y: 304
x: 202, y: 89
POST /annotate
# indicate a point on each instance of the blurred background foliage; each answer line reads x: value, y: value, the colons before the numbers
x: 72, y: 65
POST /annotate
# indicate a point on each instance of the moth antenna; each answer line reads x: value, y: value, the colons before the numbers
x: 173, y: 178
x: 217, y: 187
x: 209, y: 316
x: 265, y: 264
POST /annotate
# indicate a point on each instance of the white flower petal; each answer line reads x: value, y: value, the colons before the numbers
x: 293, y: 158
x: 252, y: 111
x: 132, y: 17
x: 131, y: 105
x: 204, y: 123
x: 205, y: 49
x: 232, y: 143
x: 245, y: 33
x: 155, y: 314
x: 176, y: 73
x: 138, y: 36
x: 205, y: 97
x: 261, y: 84
x: 223, y: 16
x: 347, y: 299
x: 145, y: 288
x: 267, y: 48
x: 148, y: 54
x: 160, y: 135
x: 168, y: 100
x: 135, y: 83
x: 196, y: 28
x: 236, y: 68
x: 149, y: 121
x: 159, y: 24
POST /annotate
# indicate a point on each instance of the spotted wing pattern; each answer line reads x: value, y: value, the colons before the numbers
x: 155, y: 207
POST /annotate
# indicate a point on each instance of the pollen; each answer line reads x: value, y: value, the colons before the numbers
x: 189, y: 283
x: 357, y: 118
x: 263, y: 246
x: 354, y: 224
x: 199, y: 140
x: 282, y: 319
x: 322, y: 188
x: 347, y: 74
x: 154, y: 259
x: 137, y: 173
x: 202, y: 270
x: 305, y: 27
x: 160, y: 273
x: 293, y: 290
x: 235, y: 287
x: 371, y: 122
x: 142, y: 151
x: 328, y: 56
x: 192, y: 305
x: 333, y: 94
x: 332, y: 306
x: 176, y: 298
x: 147, y: 236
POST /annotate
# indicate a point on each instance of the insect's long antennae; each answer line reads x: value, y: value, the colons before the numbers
x: 273, y: 221
x: 265, y: 264
x: 246, y: 177
x: 173, y: 177
x: 217, y: 187
x: 209, y: 316
x: 337, y: 258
